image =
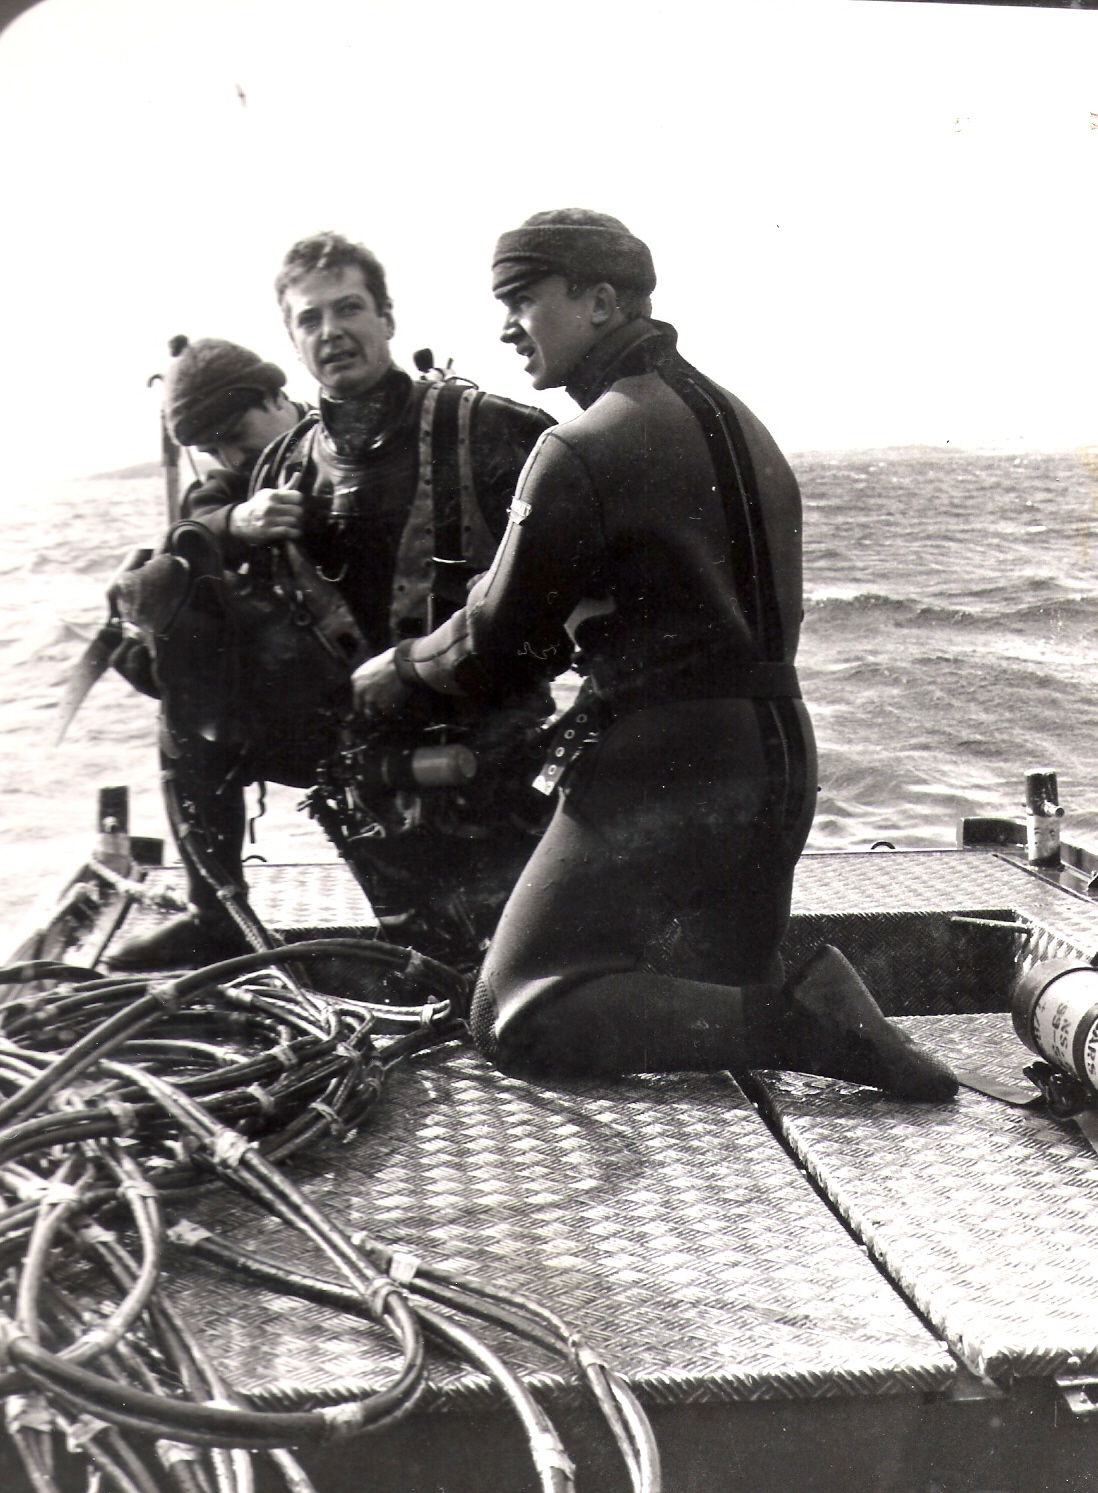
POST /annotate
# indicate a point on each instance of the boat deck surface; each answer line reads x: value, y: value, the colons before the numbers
x: 790, y: 1239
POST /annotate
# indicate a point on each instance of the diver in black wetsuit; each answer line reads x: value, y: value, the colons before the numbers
x: 423, y: 477
x: 655, y: 542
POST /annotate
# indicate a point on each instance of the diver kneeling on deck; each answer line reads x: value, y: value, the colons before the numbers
x: 654, y: 542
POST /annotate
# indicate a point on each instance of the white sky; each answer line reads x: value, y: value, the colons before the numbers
x: 874, y: 221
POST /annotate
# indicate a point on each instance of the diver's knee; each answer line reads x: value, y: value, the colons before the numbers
x: 536, y: 1028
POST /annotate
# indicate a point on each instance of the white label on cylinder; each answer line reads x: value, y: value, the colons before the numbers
x: 1090, y: 1056
x: 1042, y: 837
x: 1057, y: 1014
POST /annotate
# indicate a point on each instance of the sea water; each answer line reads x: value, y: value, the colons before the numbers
x: 949, y: 644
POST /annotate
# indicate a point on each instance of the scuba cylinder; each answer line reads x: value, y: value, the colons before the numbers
x: 1055, y: 1012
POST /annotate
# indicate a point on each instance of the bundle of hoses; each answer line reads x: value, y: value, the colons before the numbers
x: 118, y: 1097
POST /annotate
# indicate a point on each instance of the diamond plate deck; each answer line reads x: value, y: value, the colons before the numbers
x: 664, y: 1220
x: 303, y: 898
x: 985, y: 1215
x: 942, y: 880
x: 658, y: 1216
x: 900, y: 917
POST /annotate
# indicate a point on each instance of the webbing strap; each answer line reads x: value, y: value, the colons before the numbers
x: 478, y: 543
x: 463, y: 542
x: 447, y: 474
x: 413, y: 571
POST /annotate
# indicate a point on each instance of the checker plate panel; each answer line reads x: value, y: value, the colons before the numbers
x: 985, y: 1214
x: 658, y: 1216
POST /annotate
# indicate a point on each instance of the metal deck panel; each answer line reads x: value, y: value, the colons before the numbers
x: 312, y: 896
x: 658, y: 1216
x: 866, y: 883
x: 986, y: 1215
x: 930, y: 931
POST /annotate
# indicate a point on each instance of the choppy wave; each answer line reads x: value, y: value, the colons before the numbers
x: 950, y: 642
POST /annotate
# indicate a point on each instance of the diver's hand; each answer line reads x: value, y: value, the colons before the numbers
x: 378, y: 688
x: 274, y: 513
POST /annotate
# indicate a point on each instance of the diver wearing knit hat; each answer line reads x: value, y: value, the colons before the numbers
x: 210, y: 383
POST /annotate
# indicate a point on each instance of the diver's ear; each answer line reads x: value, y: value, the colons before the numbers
x: 604, y: 302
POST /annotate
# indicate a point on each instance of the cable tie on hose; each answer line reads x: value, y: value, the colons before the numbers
x: 228, y: 1148
x: 11, y: 1333
x: 263, y: 1098
x: 416, y: 968
x: 587, y: 1358
x: 377, y: 1294
x: 84, y: 1428
x: 341, y: 1420
x: 549, y: 1454
x: 28, y: 1413
x: 166, y: 992
x: 95, y: 1233
x: 171, y: 1453
x: 403, y: 1267
x: 352, y: 1054
x: 285, y: 1055
x: 56, y: 1194
x: 138, y: 1187
x: 187, y: 1232
x: 335, y: 1124
x: 124, y: 1113
x: 372, y: 1077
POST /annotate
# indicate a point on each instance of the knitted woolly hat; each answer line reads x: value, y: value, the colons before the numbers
x: 210, y: 383
x: 573, y: 241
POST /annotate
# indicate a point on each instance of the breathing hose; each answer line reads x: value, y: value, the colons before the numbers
x: 115, y: 1104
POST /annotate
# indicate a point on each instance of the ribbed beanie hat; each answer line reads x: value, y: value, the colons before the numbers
x: 573, y: 241
x: 210, y: 383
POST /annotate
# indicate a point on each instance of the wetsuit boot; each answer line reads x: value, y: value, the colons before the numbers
x: 832, y: 1026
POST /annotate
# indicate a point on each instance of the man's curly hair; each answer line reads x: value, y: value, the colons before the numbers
x: 331, y: 252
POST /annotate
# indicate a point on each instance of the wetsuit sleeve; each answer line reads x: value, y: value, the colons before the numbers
x: 211, y: 501
x: 511, y: 632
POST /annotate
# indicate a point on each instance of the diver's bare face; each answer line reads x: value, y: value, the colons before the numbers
x: 550, y: 329
x: 239, y: 445
x: 340, y: 335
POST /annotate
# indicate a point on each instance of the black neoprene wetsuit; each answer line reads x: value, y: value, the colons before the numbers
x: 655, y: 541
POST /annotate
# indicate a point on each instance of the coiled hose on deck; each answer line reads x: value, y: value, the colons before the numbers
x: 118, y: 1097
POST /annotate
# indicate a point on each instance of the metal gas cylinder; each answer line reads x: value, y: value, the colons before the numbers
x: 1055, y: 1011
x: 1043, y: 815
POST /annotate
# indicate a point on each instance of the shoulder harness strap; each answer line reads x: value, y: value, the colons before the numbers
x: 413, y: 573
x: 302, y: 437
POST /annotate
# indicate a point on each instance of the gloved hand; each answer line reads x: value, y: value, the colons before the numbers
x: 379, y: 690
